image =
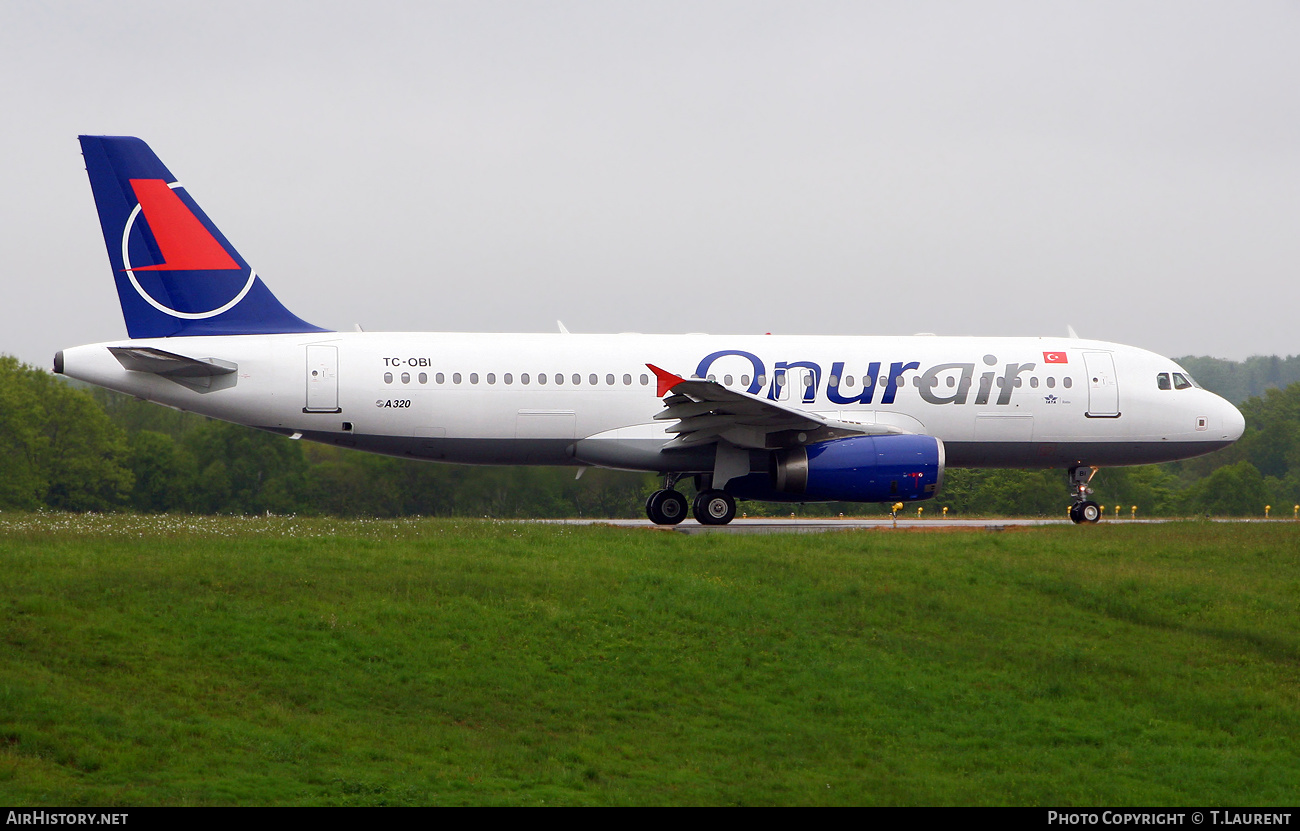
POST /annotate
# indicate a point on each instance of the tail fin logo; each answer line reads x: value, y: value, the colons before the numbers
x: 184, y: 244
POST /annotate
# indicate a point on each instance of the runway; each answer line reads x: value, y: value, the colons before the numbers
x: 775, y: 525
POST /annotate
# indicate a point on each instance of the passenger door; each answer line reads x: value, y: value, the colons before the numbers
x: 1103, y: 385
x: 322, y: 379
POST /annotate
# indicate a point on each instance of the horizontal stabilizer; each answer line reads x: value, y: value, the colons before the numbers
x: 199, y: 374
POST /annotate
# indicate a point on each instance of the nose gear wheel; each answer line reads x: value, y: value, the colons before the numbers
x: 1083, y: 509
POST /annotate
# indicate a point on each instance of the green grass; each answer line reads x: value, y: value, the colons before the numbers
x: 201, y: 661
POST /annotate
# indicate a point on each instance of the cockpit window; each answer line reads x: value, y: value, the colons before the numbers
x: 1162, y: 381
x: 1180, y: 381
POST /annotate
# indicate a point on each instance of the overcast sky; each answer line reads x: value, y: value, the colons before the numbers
x: 1129, y: 168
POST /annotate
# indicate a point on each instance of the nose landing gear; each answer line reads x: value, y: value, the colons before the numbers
x: 1083, y: 509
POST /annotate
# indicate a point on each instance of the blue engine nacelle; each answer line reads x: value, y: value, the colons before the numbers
x: 889, y: 468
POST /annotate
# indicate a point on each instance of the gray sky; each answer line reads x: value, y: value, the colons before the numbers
x: 1131, y: 168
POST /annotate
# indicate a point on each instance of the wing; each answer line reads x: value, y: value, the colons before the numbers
x: 706, y: 411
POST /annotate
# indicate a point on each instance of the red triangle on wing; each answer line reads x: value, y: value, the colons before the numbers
x: 666, y: 380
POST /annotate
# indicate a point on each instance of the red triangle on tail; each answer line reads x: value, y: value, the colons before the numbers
x: 186, y: 245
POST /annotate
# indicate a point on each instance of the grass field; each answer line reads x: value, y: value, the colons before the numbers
x: 206, y: 661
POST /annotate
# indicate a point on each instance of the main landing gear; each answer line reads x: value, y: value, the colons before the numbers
x: 1083, y: 509
x: 668, y: 507
x: 714, y: 507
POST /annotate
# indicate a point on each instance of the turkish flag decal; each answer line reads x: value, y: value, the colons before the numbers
x: 1055, y: 358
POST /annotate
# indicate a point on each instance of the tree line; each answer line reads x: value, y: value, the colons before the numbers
x: 1239, y: 381
x: 67, y: 447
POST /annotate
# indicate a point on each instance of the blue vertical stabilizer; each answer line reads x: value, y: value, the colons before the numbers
x: 176, y: 273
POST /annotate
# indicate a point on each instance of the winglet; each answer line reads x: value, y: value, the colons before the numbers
x: 666, y: 380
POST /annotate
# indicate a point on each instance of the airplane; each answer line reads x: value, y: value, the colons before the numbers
x: 750, y: 417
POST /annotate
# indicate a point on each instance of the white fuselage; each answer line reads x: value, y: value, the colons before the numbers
x: 590, y: 399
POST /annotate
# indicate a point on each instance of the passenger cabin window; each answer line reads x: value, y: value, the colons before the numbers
x: 1162, y: 381
x: 388, y: 377
x: 1181, y: 382
x: 541, y: 377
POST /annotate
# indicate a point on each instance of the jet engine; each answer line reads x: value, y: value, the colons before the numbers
x: 892, y: 468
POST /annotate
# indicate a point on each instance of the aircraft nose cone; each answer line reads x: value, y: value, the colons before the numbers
x: 1234, y: 423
